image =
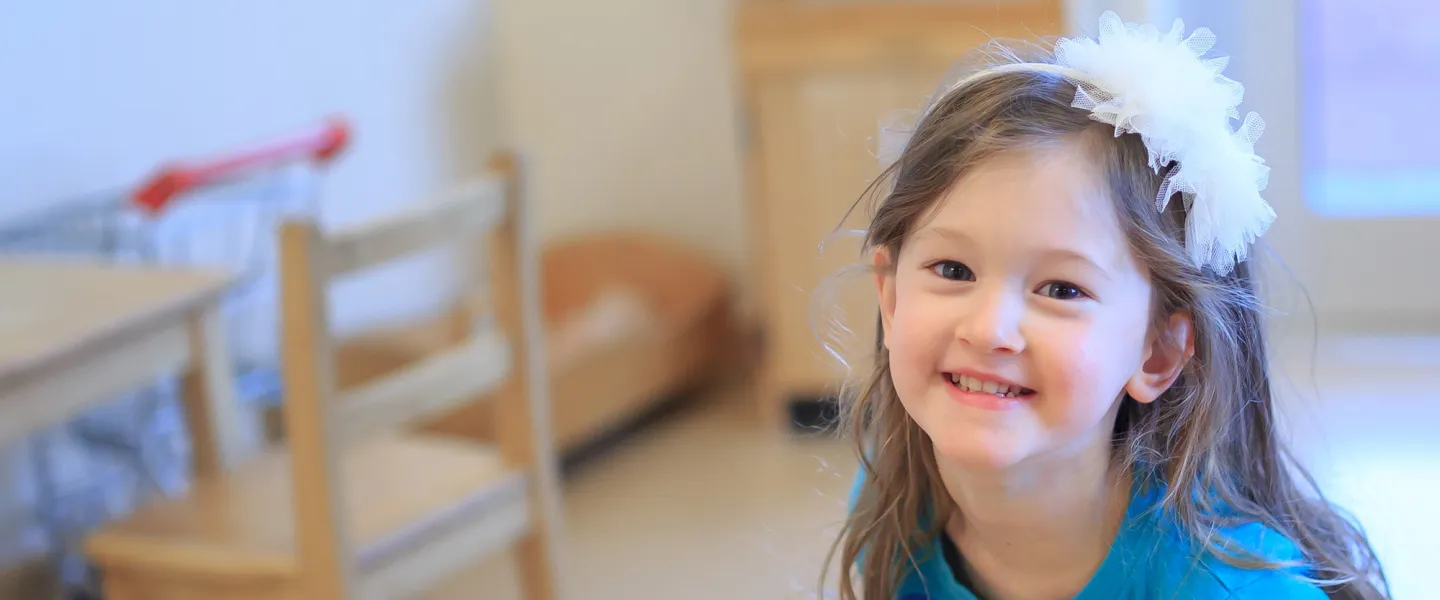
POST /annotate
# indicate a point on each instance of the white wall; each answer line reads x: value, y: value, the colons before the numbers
x: 96, y: 95
x: 627, y: 109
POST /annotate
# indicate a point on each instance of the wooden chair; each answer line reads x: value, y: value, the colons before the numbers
x: 353, y: 505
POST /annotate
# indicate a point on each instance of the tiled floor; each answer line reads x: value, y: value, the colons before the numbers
x: 705, y: 505
x: 702, y: 506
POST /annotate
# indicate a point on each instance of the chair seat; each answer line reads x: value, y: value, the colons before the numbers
x: 404, y: 490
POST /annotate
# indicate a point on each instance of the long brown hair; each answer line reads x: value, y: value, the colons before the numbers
x: 1211, y: 438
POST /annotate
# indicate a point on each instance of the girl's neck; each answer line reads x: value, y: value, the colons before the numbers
x: 1039, y: 530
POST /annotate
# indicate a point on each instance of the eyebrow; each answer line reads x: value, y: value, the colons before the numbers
x: 945, y: 232
x: 1063, y: 254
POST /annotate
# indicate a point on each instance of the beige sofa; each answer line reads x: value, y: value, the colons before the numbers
x: 632, y: 319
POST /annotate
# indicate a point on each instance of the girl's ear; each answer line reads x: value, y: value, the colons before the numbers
x: 884, y: 288
x: 1166, y: 355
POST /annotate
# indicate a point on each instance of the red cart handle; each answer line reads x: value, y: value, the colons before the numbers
x: 320, y: 145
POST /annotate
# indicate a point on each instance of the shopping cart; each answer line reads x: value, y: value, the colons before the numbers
x: 218, y: 212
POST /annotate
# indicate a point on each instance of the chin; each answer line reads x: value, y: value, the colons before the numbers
x: 980, y: 449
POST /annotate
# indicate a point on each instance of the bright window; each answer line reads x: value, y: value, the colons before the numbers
x: 1370, y: 107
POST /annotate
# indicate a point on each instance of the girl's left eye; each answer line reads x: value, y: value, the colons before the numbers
x: 1060, y: 290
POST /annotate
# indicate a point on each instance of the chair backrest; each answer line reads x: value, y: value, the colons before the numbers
x: 502, y: 353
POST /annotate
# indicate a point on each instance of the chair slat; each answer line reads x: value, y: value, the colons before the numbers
x: 404, y: 568
x: 475, y: 206
x: 427, y: 388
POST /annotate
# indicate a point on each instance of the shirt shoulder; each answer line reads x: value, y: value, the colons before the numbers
x: 1206, y: 584
x: 1179, y: 568
x: 1280, y: 584
x: 1276, y: 585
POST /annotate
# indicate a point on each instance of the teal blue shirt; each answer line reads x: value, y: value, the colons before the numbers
x: 1151, y: 559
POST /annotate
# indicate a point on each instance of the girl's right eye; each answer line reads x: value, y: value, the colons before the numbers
x: 952, y: 270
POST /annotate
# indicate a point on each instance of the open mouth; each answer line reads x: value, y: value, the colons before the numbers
x: 992, y: 388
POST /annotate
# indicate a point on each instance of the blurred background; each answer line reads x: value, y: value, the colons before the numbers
x: 682, y: 164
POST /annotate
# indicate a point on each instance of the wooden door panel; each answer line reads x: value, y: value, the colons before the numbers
x: 818, y: 137
x: 817, y: 78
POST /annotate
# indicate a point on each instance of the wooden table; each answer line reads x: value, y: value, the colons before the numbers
x: 74, y: 335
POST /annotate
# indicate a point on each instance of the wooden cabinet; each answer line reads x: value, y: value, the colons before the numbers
x: 816, y: 79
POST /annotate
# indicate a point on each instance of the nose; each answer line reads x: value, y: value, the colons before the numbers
x: 991, y: 322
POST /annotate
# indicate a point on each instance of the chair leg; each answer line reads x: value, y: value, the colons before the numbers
x: 538, y: 572
x: 119, y: 589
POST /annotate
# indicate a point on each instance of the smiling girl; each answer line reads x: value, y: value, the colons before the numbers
x: 1071, y: 396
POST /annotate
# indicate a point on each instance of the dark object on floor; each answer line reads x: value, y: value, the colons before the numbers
x: 814, y: 414
x: 604, y: 442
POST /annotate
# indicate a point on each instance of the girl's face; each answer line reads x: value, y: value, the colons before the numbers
x: 1015, y: 314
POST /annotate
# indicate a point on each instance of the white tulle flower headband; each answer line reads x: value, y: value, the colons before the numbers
x: 1180, y: 105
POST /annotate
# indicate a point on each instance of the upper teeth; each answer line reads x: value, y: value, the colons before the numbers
x: 972, y: 384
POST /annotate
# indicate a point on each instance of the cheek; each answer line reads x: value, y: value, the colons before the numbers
x: 1086, y: 367
x: 920, y: 331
